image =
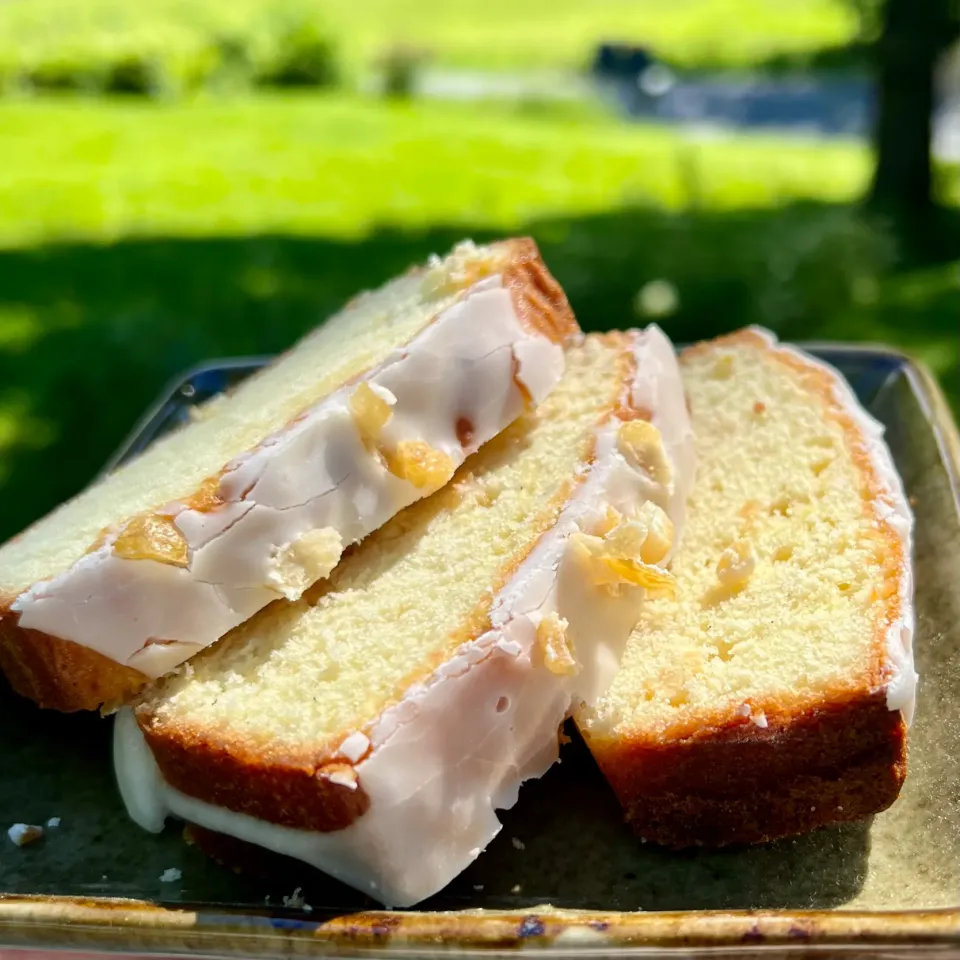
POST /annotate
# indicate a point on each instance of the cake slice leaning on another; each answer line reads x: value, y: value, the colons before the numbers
x: 258, y: 498
x: 373, y: 728
x: 772, y: 694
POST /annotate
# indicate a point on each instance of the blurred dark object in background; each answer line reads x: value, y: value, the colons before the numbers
x: 400, y: 67
x: 621, y: 61
x: 914, y: 34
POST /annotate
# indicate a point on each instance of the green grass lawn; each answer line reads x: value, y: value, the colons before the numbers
x: 564, y: 32
x: 496, y: 34
x: 138, y: 239
x: 341, y: 165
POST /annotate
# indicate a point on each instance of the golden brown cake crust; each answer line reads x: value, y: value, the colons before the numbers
x: 59, y: 674
x: 62, y: 675
x: 741, y: 783
x: 539, y: 300
x: 292, y: 791
x: 716, y: 778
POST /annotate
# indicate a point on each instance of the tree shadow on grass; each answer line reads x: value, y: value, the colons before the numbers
x: 90, y: 333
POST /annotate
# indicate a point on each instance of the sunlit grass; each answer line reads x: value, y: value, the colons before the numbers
x: 545, y: 33
x: 495, y: 34
x: 341, y: 165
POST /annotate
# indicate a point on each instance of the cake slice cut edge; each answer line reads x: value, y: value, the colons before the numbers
x: 373, y: 729
x: 258, y: 498
x: 773, y: 694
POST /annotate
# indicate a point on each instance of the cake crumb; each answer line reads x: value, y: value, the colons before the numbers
x: 518, y: 844
x: 23, y: 833
x: 736, y: 565
x: 299, y: 564
x: 53, y: 822
x: 478, y: 887
x: 171, y: 875
x: 341, y: 774
x: 515, y: 888
x: 296, y: 901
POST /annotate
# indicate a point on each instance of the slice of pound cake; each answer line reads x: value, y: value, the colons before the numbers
x: 258, y: 498
x: 372, y: 728
x: 771, y: 694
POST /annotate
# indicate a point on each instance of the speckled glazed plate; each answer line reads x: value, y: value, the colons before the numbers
x: 565, y: 875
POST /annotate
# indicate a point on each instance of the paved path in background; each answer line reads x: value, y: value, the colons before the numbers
x: 808, y: 105
x: 825, y: 107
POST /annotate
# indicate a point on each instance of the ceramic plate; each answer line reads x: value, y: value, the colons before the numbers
x: 564, y: 874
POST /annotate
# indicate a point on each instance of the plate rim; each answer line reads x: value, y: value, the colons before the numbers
x: 143, y: 928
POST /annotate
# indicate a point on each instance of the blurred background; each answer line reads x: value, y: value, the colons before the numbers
x: 187, y: 179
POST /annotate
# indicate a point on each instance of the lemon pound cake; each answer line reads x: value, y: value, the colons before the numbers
x: 771, y: 694
x: 372, y: 728
x: 258, y: 497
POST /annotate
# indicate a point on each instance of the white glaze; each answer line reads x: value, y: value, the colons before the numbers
x: 656, y: 391
x: 457, y: 746
x: 895, y: 512
x: 314, y: 474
